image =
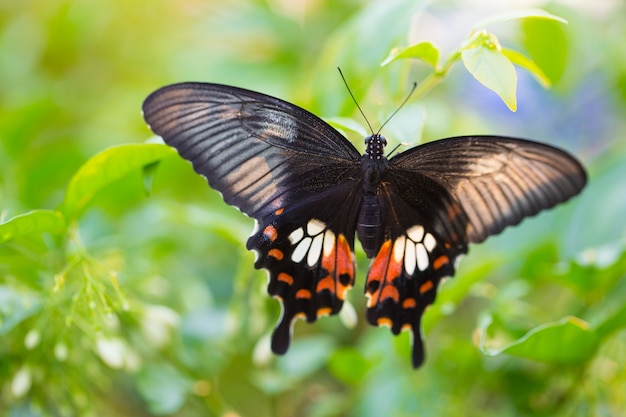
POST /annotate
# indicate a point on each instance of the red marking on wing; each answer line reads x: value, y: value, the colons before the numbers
x: 279, y: 211
x: 384, y: 270
x: 380, y: 263
x: 345, y: 265
x: 271, y: 232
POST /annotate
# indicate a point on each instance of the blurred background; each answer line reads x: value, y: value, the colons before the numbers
x: 150, y: 304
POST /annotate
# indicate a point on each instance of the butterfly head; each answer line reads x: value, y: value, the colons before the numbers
x: 375, y: 146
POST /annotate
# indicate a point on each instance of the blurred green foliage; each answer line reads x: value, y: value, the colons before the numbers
x: 125, y: 288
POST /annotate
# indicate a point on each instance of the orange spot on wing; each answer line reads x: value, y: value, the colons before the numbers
x: 409, y: 303
x: 425, y: 287
x: 324, y: 311
x: 384, y: 321
x: 279, y: 211
x: 276, y: 253
x: 303, y: 294
x: 389, y: 291
x: 286, y: 278
x: 326, y: 283
x: 271, y: 232
x: 441, y: 261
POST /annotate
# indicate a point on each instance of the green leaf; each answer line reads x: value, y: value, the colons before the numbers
x: 494, y: 70
x: 529, y: 14
x: 149, y: 172
x: 348, y: 365
x: 546, y: 43
x: 566, y: 341
x: 31, y: 223
x: 424, y: 51
x: 106, y: 167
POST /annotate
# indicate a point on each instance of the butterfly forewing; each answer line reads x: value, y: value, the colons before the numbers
x: 498, y: 181
x: 255, y: 149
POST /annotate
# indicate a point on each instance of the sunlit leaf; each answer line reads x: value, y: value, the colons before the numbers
x: 528, y: 64
x: 424, y: 51
x: 569, y: 340
x: 494, y: 70
x: 32, y: 223
x: 106, y: 167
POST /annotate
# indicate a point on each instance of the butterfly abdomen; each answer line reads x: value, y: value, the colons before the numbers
x: 369, y: 227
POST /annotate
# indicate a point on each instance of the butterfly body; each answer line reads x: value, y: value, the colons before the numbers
x: 311, y: 192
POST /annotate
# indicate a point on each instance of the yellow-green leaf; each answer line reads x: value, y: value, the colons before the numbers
x: 106, y: 167
x: 528, y: 64
x: 494, y: 70
x: 424, y: 51
x: 31, y: 223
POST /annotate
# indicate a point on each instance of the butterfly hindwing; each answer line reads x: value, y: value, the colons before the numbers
x: 292, y: 172
x: 420, y: 248
x: 308, y: 252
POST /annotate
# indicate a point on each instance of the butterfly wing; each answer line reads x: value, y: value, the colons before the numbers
x: 286, y: 168
x: 498, y: 181
x: 439, y: 197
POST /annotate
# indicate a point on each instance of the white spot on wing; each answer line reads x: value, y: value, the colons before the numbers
x: 296, y: 236
x: 429, y: 242
x: 329, y: 242
x: 422, y: 257
x: 409, y: 258
x: 316, y: 250
x: 398, y: 249
x: 301, y: 250
x: 315, y: 227
x: 416, y: 233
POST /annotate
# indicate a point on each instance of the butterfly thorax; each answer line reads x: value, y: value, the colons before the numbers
x: 373, y: 164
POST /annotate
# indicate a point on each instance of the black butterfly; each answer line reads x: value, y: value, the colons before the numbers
x: 310, y: 191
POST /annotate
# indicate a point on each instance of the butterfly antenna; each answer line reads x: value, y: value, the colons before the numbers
x: 354, y: 99
x: 408, y: 96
